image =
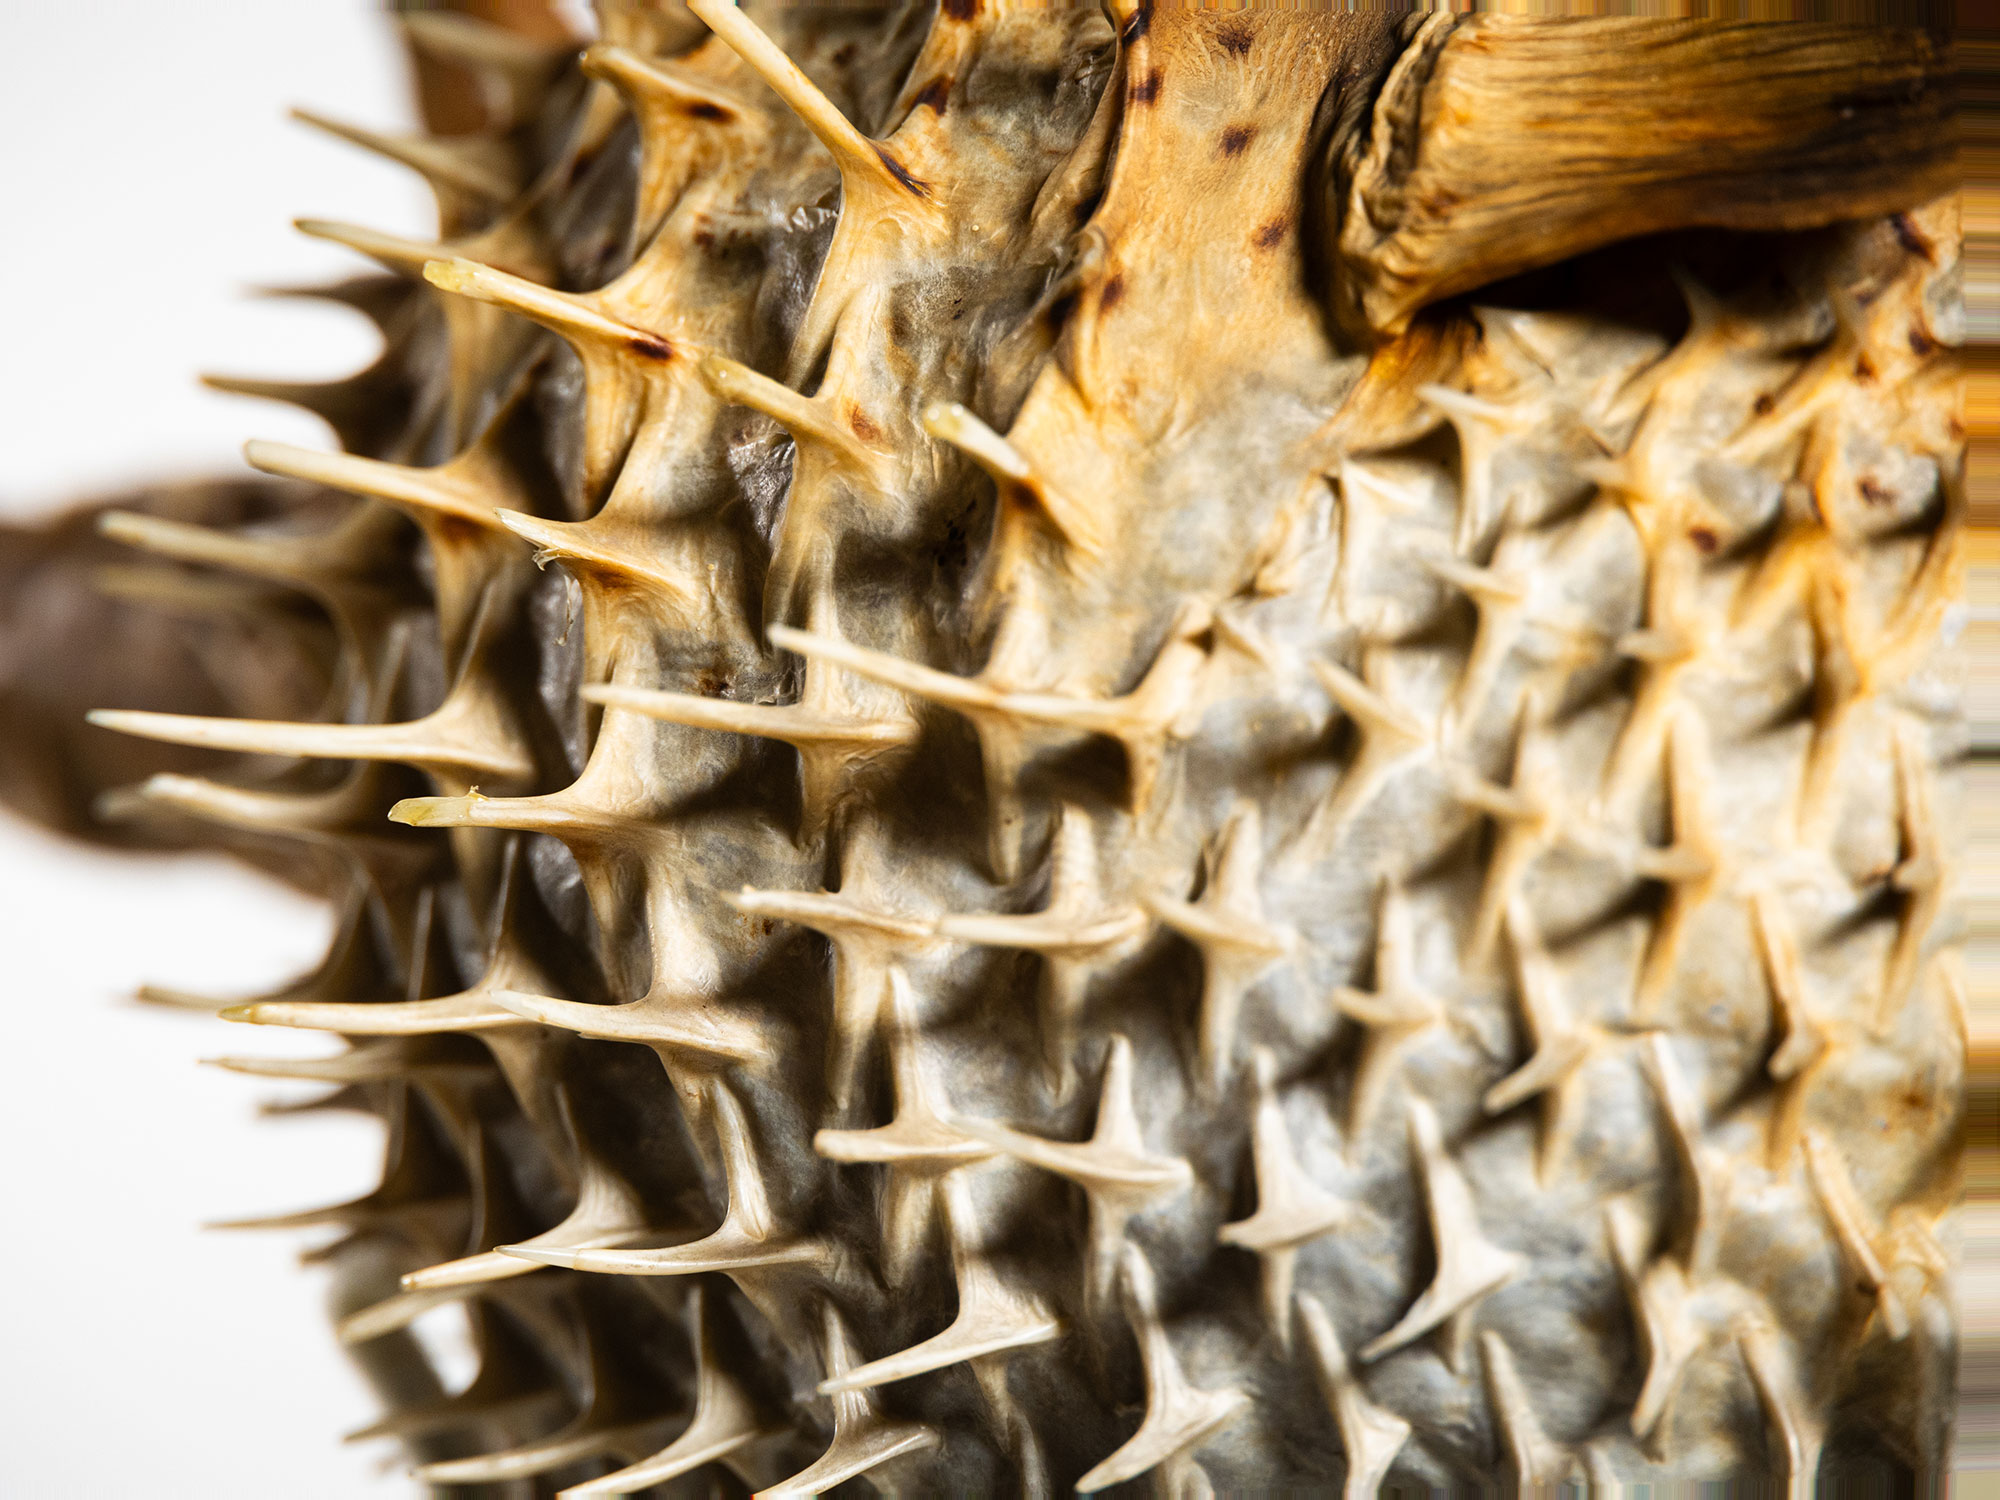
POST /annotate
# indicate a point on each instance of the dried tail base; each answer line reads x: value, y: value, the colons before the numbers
x: 983, y: 852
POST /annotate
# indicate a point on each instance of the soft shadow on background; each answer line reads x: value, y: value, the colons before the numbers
x: 150, y: 182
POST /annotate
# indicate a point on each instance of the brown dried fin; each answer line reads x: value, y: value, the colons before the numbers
x: 1637, y: 125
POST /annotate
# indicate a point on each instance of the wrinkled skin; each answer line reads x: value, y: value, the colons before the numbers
x: 1385, y: 887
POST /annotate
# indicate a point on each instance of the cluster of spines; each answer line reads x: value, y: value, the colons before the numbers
x: 639, y: 376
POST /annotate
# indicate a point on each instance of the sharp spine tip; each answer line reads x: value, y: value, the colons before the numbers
x: 426, y: 812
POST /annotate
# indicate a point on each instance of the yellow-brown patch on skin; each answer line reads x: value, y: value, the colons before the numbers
x: 1384, y: 403
x: 1271, y: 233
x: 1270, y: 99
x: 862, y: 425
x: 455, y: 531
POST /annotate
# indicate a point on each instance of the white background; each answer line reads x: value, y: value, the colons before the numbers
x: 148, y: 179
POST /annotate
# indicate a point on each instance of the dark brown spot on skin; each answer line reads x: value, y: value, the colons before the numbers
x: 1864, y: 370
x: 864, y: 429
x: 1235, y: 138
x: 1114, y: 291
x: 1021, y: 497
x: 902, y: 174
x: 1136, y: 24
x: 1272, y: 233
x: 1147, y: 89
x: 455, y: 531
x: 1704, y: 540
x: 611, y: 587
x: 701, y: 109
x: 843, y: 55
x: 1920, y: 343
x: 1908, y: 237
x: 1060, y: 311
x: 961, y: 10
x: 1235, y: 40
x: 1874, y: 493
x: 1765, y: 405
x: 650, y: 347
x: 936, y: 94
x: 769, y: 925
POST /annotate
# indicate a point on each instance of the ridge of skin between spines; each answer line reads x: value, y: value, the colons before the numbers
x: 1766, y: 1382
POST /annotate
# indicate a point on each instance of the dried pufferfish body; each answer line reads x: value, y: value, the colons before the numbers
x: 1207, y: 905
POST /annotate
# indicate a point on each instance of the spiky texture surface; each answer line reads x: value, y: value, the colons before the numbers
x: 1304, y: 916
